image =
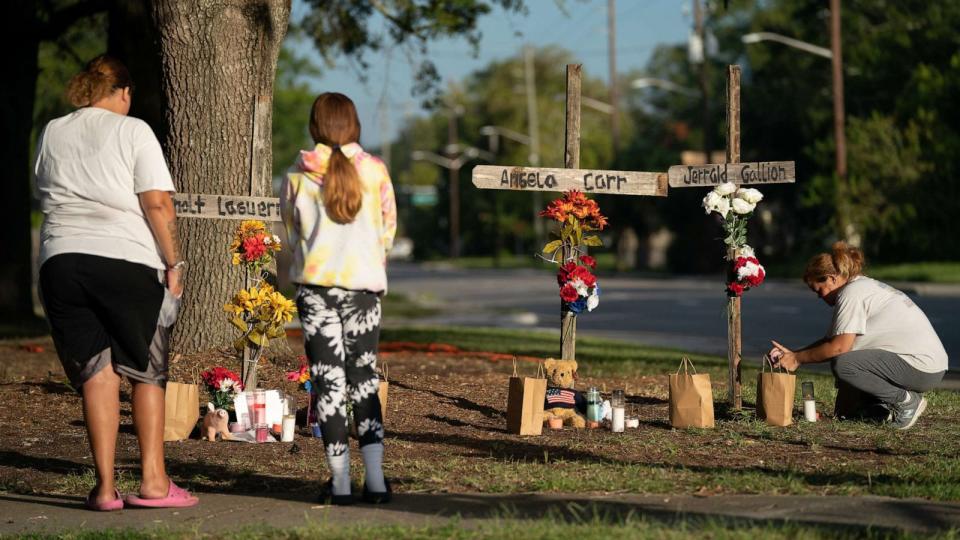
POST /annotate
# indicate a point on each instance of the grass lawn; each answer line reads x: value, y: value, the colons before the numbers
x: 742, y: 455
x: 506, y: 528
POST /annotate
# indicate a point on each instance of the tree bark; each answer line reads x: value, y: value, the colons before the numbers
x: 218, y: 59
x: 20, y: 39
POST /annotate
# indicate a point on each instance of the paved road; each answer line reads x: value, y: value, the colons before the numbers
x: 684, y: 313
x: 218, y: 513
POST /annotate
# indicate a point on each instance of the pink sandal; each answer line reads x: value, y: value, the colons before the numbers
x: 107, y: 506
x: 177, y: 497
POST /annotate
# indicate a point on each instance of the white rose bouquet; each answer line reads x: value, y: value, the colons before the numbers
x: 735, y: 205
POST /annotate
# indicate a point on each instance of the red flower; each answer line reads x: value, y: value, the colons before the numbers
x: 735, y: 288
x: 568, y: 293
x: 588, y: 261
x: 253, y: 247
x: 563, y: 275
x: 581, y: 273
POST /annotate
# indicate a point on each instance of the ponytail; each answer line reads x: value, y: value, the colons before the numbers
x: 99, y: 79
x: 843, y: 260
x: 342, y: 189
x: 334, y: 122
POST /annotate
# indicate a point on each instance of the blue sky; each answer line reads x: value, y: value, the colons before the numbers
x: 641, y: 26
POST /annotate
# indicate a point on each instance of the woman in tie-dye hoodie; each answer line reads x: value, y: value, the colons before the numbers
x: 340, y: 215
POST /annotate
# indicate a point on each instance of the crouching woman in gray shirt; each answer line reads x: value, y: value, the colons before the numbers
x: 882, y: 348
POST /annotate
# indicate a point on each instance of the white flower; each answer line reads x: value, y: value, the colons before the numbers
x: 725, y: 188
x: 580, y: 286
x: 592, y: 302
x: 747, y: 251
x: 267, y: 240
x: 714, y: 202
x: 748, y: 270
x: 226, y: 384
x: 752, y: 196
x: 741, y: 206
x: 276, y: 239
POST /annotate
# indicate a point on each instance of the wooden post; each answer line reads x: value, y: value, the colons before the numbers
x: 571, y: 160
x: 733, y: 303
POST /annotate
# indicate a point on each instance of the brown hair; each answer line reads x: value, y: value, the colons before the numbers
x: 843, y: 260
x: 334, y: 122
x: 99, y: 79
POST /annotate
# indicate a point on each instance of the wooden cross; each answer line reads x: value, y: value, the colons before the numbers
x: 767, y: 172
x: 599, y: 182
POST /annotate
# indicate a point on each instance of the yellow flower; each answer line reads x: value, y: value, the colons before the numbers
x: 236, y: 259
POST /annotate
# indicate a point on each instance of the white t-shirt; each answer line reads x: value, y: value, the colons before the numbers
x: 91, y: 165
x: 884, y: 318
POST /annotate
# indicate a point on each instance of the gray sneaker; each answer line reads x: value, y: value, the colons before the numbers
x: 904, y: 415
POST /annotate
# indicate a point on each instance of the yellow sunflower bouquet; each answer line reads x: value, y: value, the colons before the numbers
x: 260, y: 312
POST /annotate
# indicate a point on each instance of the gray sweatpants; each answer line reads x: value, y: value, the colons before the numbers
x: 882, y: 375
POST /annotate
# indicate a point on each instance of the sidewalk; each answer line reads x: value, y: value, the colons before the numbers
x: 221, y: 512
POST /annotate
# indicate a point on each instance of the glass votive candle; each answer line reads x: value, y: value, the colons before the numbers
x: 809, y: 403
x: 618, y: 405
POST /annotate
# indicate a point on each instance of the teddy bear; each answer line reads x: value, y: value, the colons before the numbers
x: 215, y: 423
x: 562, y: 400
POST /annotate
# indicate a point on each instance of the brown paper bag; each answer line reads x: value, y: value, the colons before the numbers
x: 181, y: 410
x: 775, y: 392
x: 525, y: 402
x: 382, y: 392
x: 691, y: 398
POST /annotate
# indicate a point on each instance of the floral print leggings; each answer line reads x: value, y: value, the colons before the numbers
x: 342, y: 330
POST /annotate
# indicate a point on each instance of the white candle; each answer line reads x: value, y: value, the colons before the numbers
x: 617, y: 420
x: 810, y: 410
x: 289, y: 421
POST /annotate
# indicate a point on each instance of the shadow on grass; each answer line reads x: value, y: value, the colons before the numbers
x: 461, y: 402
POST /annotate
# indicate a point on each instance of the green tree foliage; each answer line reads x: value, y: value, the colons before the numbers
x: 292, y: 99
x: 493, y: 220
x: 354, y: 28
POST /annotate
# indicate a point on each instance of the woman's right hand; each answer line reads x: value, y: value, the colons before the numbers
x: 175, y: 281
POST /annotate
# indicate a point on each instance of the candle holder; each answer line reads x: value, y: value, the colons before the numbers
x: 618, y: 405
x: 809, y: 403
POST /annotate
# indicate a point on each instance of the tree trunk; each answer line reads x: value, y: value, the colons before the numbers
x: 19, y: 31
x: 218, y: 61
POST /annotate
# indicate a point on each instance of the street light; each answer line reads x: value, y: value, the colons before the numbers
x: 495, y: 132
x: 757, y: 37
x: 453, y: 165
x: 670, y: 86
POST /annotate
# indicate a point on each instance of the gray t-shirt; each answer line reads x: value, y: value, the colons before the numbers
x: 884, y: 318
x: 91, y: 165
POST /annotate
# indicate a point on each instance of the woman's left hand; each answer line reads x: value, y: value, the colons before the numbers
x: 783, y: 357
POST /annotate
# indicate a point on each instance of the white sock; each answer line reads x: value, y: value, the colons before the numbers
x: 373, y: 466
x: 340, y: 469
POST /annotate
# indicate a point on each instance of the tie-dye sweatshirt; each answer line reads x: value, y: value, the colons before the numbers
x: 329, y: 254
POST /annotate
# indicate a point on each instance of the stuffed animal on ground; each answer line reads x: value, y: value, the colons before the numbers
x: 562, y: 400
x: 215, y: 423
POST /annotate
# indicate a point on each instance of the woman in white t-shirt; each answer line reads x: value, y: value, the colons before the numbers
x: 110, y: 271
x: 880, y: 344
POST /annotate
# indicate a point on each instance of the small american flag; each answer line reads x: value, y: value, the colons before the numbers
x: 560, y: 396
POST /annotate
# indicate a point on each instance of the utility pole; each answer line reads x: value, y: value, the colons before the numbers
x: 699, y: 15
x: 533, y: 131
x: 454, y: 173
x: 844, y: 224
x: 614, y: 97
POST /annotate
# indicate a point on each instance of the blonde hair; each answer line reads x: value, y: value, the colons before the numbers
x: 334, y: 122
x: 843, y: 260
x: 100, y: 78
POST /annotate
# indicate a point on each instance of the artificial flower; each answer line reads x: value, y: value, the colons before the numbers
x: 752, y: 196
x: 742, y: 207
x: 568, y: 293
x: 725, y: 188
